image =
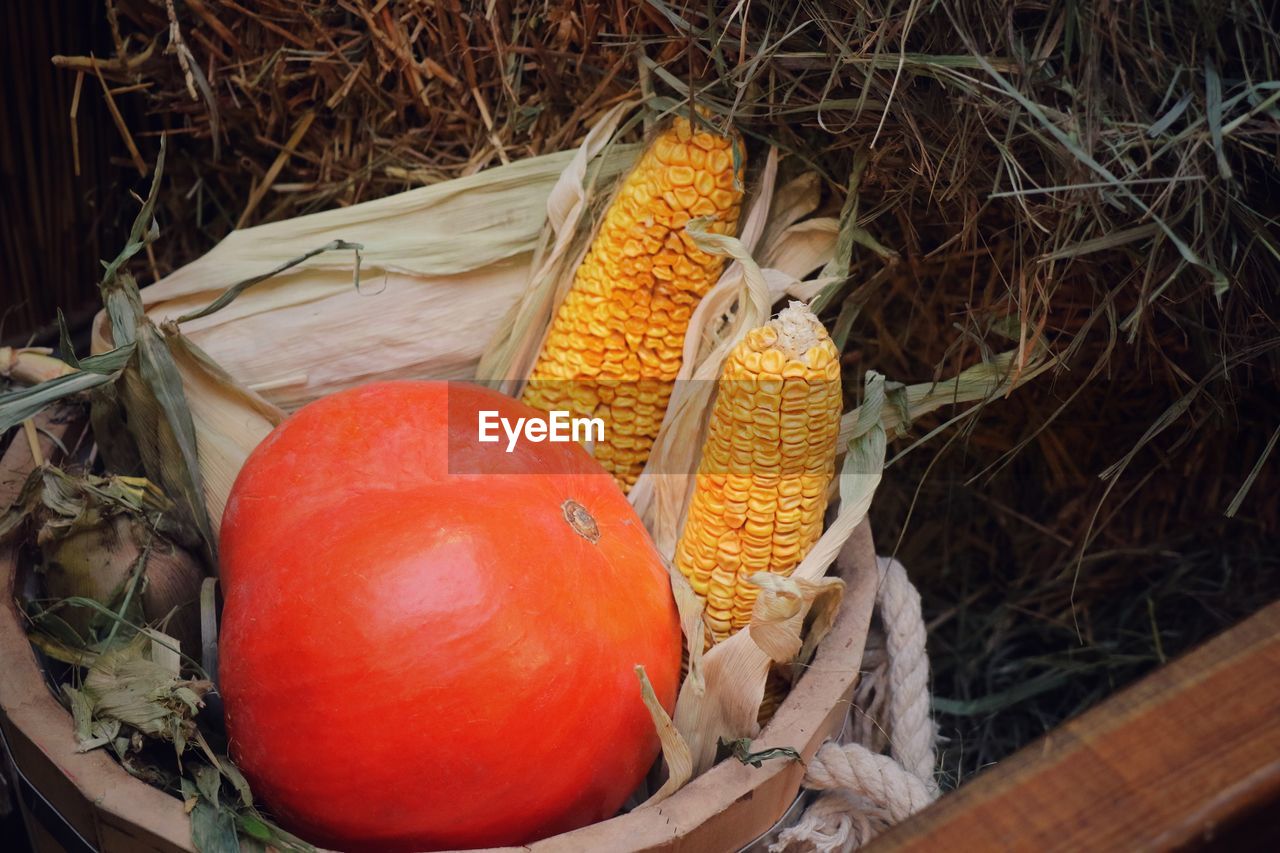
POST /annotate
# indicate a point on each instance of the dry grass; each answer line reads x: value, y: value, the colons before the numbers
x: 1100, y: 174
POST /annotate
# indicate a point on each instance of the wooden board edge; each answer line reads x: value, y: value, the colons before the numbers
x: 1175, y: 760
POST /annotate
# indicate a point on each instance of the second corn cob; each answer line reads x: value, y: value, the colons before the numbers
x: 615, y: 344
x: 769, y: 457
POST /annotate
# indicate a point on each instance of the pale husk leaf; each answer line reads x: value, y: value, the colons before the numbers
x: 798, y: 251
x: 230, y: 420
x: 165, y: 651
x: 689, y: 606
x: 777, y: 619
x: 395, y: 327
x: 440, y: 265
x: 450, y: 227
x: 675, y: 752
x: 793, y: 246
x: 793, y: 201
x: 736, y: 668
x: 735, y: 673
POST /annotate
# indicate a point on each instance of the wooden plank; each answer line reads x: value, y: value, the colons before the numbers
x: 1188, y: 757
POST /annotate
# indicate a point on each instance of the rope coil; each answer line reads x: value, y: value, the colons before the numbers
x: 865, y: 790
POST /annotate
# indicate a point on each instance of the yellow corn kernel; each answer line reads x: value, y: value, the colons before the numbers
x: 626, y: 314
x: 761, y: 487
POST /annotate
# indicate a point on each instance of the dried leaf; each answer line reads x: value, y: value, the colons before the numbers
x: 741, y: 750
x: 124, y: 685
x: 735, y: 671
x: 237, y: 780
x: 779, y: 617
x: 675, y: 752
x: 985, y: 381
x: 817, y: 624
x: 103, y: 732
x: 167, y: 653
x: 213, y: 830
x: 18, y: 405
x: 68, y: 650
x: 24, y: 505
x: 689, y: 606
x: 837, y: 268
x: 229, y: 295
x: 158, y: 424
x: 736, y: 668
x: 81, y: 712
x: 792, y: 203
x: 161, y: 425
x: 208, y: 782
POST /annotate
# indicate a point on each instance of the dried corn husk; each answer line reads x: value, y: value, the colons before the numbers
x: 229, y: 420
x: 125, y: 687
x: 142, y: 420
x: 440, y: 266
x: 989, y: 380
x: 675, y: 752
x: 729, y: 707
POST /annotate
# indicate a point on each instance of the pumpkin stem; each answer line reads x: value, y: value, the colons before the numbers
x: 581, y: 520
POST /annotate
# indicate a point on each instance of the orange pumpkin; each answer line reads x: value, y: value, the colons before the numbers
x: 428, y: 642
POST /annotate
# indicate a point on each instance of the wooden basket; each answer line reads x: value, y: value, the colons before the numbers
x: 84, y: 801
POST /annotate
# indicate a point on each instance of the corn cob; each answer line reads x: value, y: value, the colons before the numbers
x: 769, y: 457
x: 615, y: 345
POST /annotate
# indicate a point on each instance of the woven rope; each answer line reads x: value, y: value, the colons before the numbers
x: 864, y: 790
